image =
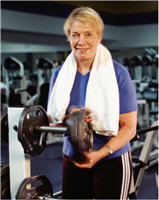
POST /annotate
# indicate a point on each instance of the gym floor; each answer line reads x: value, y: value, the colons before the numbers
x: 49, y: 163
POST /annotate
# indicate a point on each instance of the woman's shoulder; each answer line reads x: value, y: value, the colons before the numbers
x: 119, y: 68
x: 120, y: 71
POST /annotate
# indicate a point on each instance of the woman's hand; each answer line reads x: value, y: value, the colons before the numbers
x: 93, y: 157
x: 88, y: 112
x: 88, y: 115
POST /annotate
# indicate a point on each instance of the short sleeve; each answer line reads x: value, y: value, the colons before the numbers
x: 127, y: 93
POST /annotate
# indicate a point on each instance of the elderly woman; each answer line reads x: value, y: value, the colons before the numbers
x: 90, y: 78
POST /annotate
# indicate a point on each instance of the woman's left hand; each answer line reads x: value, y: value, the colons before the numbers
x: 93, y: 157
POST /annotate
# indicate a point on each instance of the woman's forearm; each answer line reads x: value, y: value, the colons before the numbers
x: 127, y: 131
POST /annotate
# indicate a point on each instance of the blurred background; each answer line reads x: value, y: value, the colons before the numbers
x: 33, y: 45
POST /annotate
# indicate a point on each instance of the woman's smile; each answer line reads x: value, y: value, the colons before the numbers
x: 82, y: 50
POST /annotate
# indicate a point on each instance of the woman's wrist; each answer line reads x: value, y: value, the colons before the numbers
x: 104, y: 151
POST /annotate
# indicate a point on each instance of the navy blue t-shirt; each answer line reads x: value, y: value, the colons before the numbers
x: 127, y: 99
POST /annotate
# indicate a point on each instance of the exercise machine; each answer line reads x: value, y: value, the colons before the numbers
x: 15, y: 78
x: 46, y: 68
x: 145, y: 158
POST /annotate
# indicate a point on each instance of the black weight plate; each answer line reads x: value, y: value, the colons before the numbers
x: 42, y: 188
x: 32, y: 141
x: 81, y: 134
x: 5, y: 182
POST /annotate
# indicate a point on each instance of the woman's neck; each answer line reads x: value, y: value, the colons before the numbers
x: 84, y: 67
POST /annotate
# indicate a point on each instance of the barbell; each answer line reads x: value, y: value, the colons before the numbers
x: 33, y: 128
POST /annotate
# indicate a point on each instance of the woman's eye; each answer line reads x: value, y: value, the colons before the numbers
x: 74, y: 35
x: 88, y: 34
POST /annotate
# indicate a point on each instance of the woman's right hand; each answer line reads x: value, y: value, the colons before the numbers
x: 88, y: 112
x: 88, y: 115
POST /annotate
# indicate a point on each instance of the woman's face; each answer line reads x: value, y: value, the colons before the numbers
x: 84, y: 39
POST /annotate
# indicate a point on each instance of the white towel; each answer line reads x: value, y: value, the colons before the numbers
x: 102, y: 95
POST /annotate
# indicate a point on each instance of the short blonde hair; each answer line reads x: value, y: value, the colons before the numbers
x: 84, y: 15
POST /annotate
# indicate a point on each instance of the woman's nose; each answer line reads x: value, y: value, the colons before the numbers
x: 82, y: 39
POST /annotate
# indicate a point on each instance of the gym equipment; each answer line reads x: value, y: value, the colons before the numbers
x: 150, y: 63
x: 19, y: 162
x: 4, y: 127
x: 43, y: 95
x: 81, y: 134
x: 46, y: 68
x: 4, y: 92
x: 30, y: 89
x: 14, y: 70
x: 143, y: 70
x: 139, y: 164
x: 135, y: 64
x: 5, y: 185
x: 32, y: 141
x: 42, y: 188
x: 143, y: 113
x: 34, y: 126
x: 37, y: 93
x: 22, y: 91
x: 151, y: 96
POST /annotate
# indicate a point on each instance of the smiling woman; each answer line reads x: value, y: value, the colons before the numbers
x: 90, y: 79
x: 84, y: 30
x: 84, y: 40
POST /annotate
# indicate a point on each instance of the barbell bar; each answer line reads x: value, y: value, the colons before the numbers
x: 51, y: 129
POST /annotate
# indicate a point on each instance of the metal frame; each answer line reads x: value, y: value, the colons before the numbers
x: 19, y: 163
x: 143, y: 160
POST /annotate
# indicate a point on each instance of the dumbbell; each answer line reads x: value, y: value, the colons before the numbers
x: 33, y: 128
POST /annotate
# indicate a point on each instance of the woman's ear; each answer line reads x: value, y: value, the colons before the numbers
x: 100, y: 38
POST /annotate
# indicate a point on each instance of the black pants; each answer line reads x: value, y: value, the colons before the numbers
x: 108, y: 179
